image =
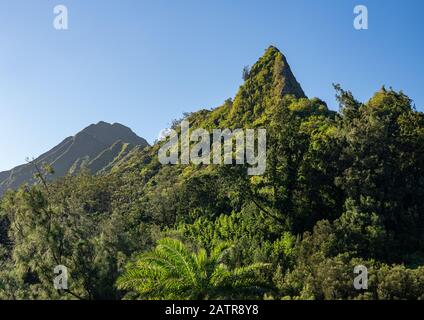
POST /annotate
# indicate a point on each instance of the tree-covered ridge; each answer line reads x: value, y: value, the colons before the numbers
x: 270, y: 78
x: 341, y: 189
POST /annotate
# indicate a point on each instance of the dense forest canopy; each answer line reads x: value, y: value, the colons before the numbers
x: 341, y: 189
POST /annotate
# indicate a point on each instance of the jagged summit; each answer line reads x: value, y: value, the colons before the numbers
x: 274, y: 66
x: 264, y: 86
x: 268, y: 80
x: 96, y: 148
x: 289, y: 83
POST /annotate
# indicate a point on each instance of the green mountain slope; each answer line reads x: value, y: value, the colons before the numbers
x: 340, y: 190
x: 268, y: 80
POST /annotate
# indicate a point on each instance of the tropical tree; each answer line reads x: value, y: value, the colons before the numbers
x: 173, y: 271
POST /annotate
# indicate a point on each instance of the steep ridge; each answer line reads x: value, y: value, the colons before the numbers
x: 270, y: 78
x: 267, y: 81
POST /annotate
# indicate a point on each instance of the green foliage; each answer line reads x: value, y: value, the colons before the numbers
x: 340, y: 189
x: 172, y: 271
x: 73, y: 224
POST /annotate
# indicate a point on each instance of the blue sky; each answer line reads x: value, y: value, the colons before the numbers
x: 144, y: 63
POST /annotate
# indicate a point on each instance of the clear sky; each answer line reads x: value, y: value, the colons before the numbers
x: 143, y: 63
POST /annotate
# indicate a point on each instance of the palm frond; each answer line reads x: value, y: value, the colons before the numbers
x: 172, y: 271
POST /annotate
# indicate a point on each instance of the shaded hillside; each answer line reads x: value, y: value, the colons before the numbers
x: 95, y: 148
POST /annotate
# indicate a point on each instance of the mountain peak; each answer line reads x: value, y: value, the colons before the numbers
x: 268, y: 80
x: 96, y: 148
x: 99, y: 125
x: 272, y: 49
x: 107, y: 133
x: 274, y: 64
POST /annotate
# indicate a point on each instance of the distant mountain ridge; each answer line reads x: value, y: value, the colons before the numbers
x: 96, y: 148
x: 104, y: 146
